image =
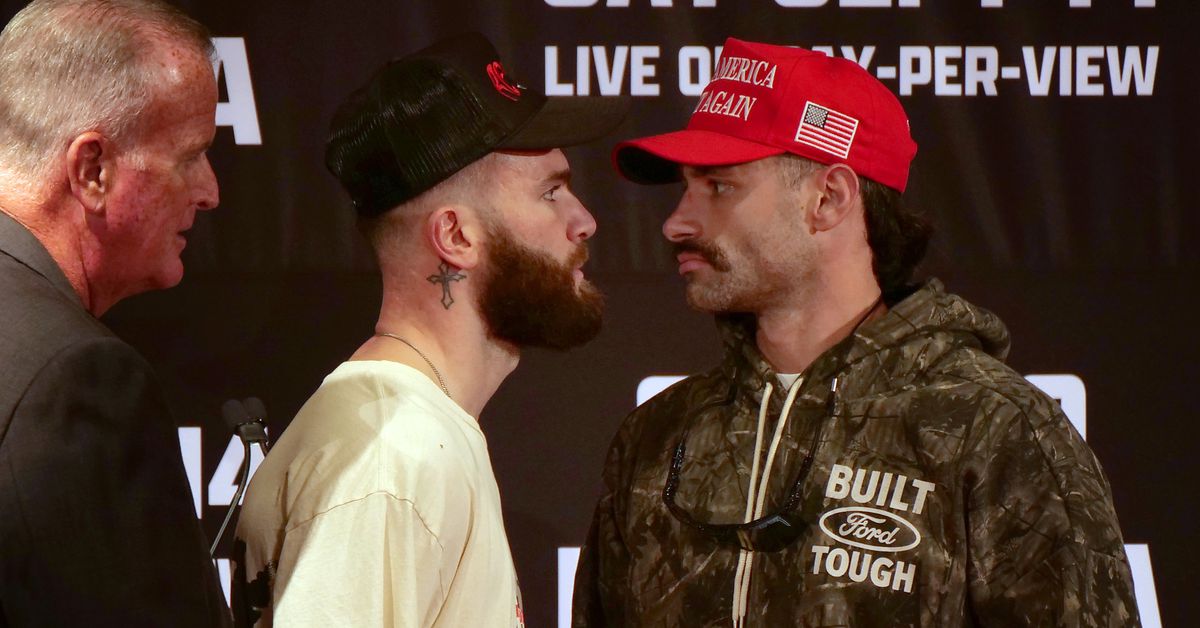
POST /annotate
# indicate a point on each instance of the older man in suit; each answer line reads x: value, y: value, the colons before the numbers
x: 106, y: 111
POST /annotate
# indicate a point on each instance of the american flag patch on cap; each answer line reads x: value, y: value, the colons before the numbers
x: 827, y: 130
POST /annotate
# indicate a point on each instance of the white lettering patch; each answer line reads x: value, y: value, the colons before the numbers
x: 723, y: 103
x: 883, y: 572
x: 871, y: 527
x: 749, y: 71
x: 883, y: 489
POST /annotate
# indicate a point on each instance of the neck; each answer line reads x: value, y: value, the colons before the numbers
x: 792, y: 338
x: 454, y: 340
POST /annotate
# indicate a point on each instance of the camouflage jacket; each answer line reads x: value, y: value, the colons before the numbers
x: 944, y: 491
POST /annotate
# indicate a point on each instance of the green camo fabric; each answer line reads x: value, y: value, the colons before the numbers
x: 945, y: 491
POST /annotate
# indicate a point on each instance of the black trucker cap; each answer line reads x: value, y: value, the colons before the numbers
x: 425, y: 116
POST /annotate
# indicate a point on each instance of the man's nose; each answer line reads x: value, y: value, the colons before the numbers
x: 681, y: 224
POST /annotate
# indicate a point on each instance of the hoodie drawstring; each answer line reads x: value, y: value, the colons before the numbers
x: 756, y: 495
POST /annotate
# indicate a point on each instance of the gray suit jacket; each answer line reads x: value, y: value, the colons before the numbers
x: 97, y: 526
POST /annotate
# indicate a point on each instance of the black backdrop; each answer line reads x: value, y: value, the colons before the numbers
x: 1072, y: 216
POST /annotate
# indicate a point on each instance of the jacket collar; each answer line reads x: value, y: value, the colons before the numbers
x: 18, y: 243
x: 929, y: 309
x: 750, y: 371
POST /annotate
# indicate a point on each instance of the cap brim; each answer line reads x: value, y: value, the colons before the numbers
x: 656, y: 159
x: 568, y: 121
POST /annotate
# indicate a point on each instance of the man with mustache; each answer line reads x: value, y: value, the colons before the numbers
x: 107, y: 109
x: 378, y: 506
x: 861, y: 457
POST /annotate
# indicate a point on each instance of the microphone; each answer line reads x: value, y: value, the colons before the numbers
x: 246, y: 418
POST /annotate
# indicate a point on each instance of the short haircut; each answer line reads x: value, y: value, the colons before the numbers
x: 468, y: 185
x: 897, y: 234
x: 72, y: 66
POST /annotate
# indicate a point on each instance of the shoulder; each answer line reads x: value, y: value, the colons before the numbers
x: 696, y: 390
x: 360, y: 435
x: 656, y: 422
x: 38, y: 324
x: 386, y: 407
x: 1002, y: 420
x: 970, y: 381
x: 93, y: 362
x: 1020, y: 448
x: 965, y: 405
x: 96, y: 377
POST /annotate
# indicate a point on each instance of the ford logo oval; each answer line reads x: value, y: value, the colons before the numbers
x: 870, y: 529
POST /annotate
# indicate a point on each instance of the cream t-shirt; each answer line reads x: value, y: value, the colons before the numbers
x: 378, y: 507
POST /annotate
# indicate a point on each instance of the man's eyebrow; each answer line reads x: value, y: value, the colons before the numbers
x: 558, y: 176
x: 703, y: 171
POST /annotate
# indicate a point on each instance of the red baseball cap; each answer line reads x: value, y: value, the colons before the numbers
x: 766, y: 100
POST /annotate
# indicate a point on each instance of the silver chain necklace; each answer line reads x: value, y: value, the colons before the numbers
x: 441, y: 382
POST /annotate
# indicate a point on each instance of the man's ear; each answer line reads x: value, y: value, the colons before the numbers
x: 456, y: 234
x: 838, y: 189
x: 90, y: 168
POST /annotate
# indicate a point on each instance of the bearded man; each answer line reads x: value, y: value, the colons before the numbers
x: 378, y: 506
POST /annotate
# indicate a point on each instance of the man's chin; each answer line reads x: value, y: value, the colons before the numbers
x: 702, y: 299
x: 169, y: 277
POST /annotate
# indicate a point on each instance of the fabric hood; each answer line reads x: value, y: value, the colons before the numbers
x: 929, y: 313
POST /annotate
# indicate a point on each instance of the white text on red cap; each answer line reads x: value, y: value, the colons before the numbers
x: 743, y: 70
x: 723, y: 103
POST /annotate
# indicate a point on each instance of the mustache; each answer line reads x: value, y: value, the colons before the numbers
x: 579, y: 257
x: 707, y: 250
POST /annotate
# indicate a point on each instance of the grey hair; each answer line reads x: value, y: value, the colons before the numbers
x: 72, y: 66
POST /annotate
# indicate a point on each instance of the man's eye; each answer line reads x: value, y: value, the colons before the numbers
x: 549, y: 195
x: 720, y: 188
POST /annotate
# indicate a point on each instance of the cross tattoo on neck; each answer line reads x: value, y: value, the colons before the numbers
x: 445, y: 276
